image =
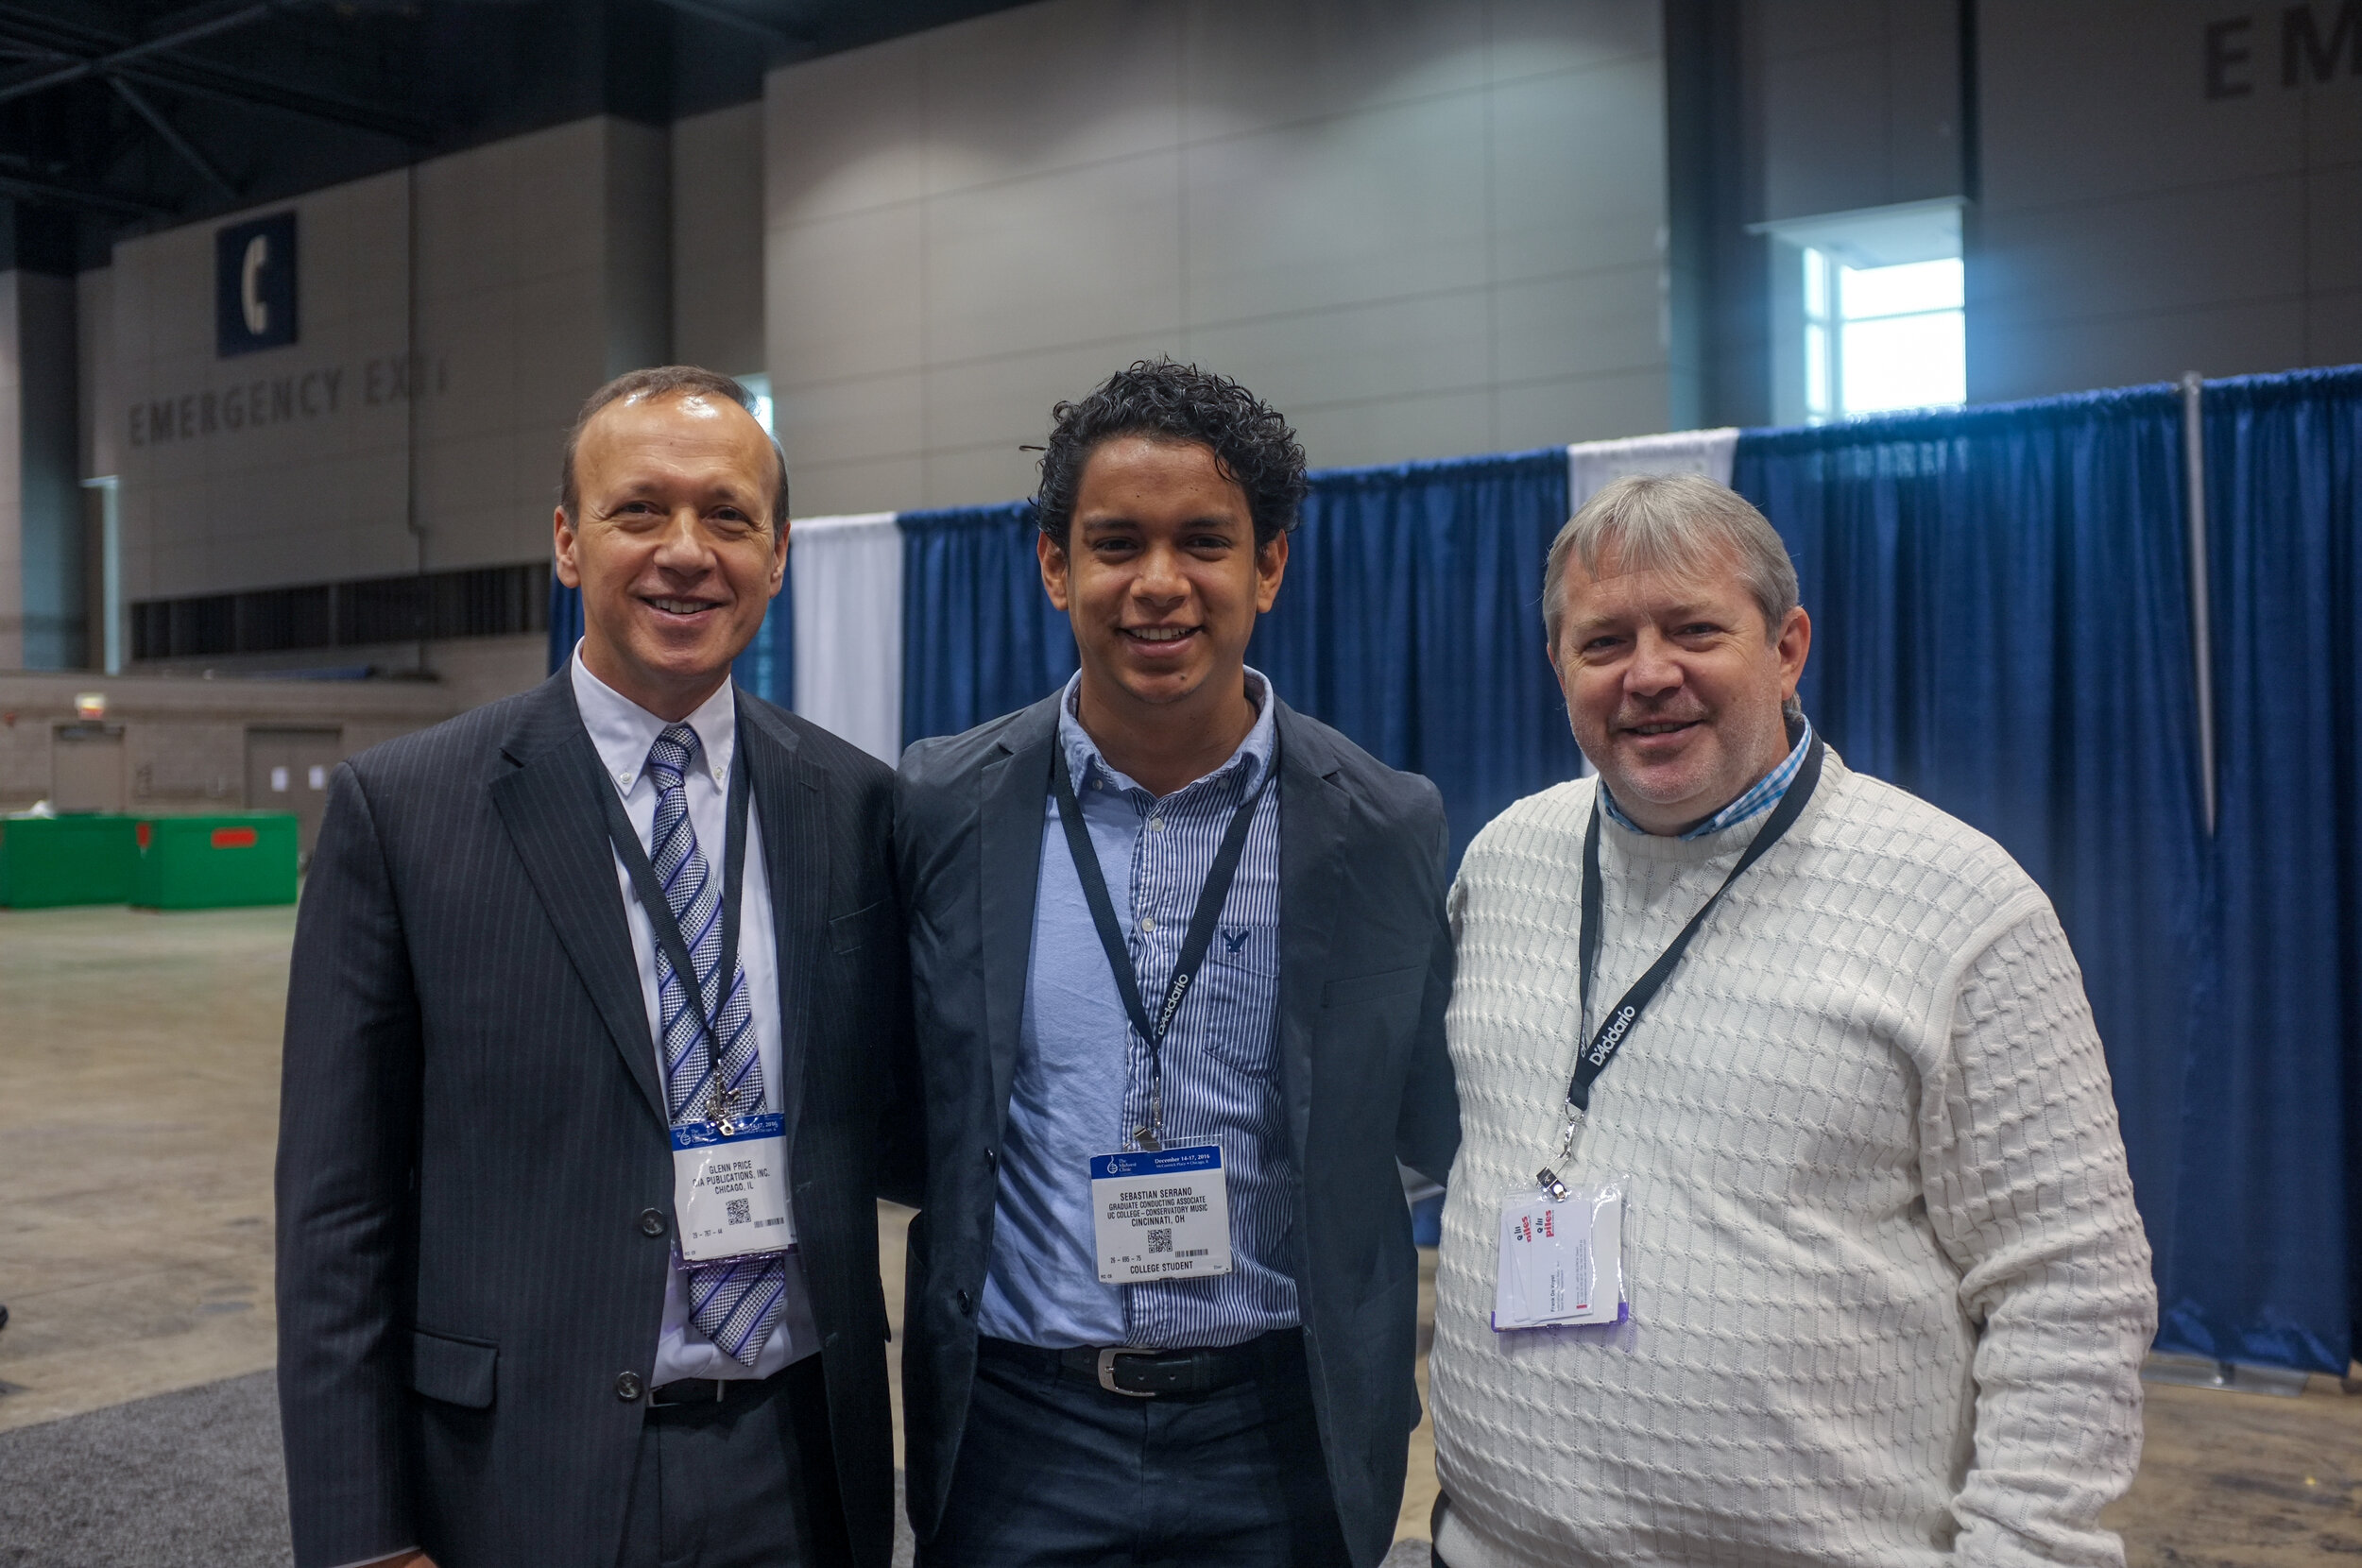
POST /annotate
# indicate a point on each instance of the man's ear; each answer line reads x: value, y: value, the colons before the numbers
x: 1055, y: 567
x: 562, y: 550
x: 1795, y: 645
x: 1270, y: 565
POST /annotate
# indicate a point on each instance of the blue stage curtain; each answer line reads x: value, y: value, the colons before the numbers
x: 767, y: 668
x: 2264, y: 1258
x: 2001, y: 626
x: 565, y: 621
x: 1410, y: 619
x: 978, y: 636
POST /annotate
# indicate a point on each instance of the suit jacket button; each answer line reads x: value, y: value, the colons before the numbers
x: 992, y: 1159
x: 967, y: 1303
x: 651, y: 1222
x: 627, y: 1387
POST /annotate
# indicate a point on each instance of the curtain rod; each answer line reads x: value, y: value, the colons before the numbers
x: 2202, y: 634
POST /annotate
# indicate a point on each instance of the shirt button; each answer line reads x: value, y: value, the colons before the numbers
x: 1148, y: 922
x: 627, y: 1387
x: 1157, y: 824
x: 651, y: 1222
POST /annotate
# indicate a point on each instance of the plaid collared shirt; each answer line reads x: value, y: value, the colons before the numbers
x: 1754, y: 800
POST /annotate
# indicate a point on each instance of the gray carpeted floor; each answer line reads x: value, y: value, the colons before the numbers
x: 192, y: 1477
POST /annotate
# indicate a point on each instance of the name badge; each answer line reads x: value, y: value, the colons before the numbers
x: 1561, y: 1261
x: 729, y: 1194
x: 1160, y: 1214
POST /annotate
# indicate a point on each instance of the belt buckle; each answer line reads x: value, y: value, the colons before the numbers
x: 1107, y: 1373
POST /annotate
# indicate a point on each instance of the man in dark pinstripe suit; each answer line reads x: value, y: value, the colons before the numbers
x: 533, y: 985
x: 1162, y: 914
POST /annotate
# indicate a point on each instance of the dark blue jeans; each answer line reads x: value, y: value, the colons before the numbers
x: 1057, y: 1473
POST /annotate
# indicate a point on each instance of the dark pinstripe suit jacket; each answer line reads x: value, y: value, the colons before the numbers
x: 1364, y: 973
x: 471, y: 1130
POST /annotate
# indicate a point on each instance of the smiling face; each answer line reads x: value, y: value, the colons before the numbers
x: 672, y: 545
x: 1160, y: 575
x: 1674, y: 686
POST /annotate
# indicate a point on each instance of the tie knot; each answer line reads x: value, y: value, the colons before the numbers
x: 668, y: 757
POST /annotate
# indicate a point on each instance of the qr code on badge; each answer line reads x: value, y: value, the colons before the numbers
x: 742, y: 1211
x: 1160, y: 1241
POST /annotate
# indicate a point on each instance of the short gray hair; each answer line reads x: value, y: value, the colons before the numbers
x: 1673, y: 523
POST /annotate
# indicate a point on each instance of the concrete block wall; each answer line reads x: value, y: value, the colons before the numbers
x: 1421, y: 227
x: 543, y: 267
x: 717, y: 240
x: 2159, y: 195
x: 1861, y: 104
x: 184, y: 740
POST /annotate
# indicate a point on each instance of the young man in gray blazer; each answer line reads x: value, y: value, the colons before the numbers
x: 1179, y: 965
x: 596, y: 1033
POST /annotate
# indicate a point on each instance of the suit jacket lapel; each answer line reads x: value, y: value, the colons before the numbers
x: 544, y: 794
x: 1313, y: 811
x: 788, y: 794
x: 1013, y: 785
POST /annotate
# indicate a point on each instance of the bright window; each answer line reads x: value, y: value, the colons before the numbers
x: 760, y: 384
x: 1882, y: 337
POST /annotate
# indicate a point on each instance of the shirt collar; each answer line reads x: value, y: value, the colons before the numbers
x: 1252, y: 758
x: 1753, y: 801
x: 622, y: 730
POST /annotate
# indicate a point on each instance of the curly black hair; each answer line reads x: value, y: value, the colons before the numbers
x: 1169, y: 401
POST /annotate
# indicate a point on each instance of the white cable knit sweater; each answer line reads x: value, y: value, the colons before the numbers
x: 1888, y: 1291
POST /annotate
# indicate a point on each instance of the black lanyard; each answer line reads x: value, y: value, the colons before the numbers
x: 1617, y: 1028
x: 668, y: 931
x: 1193, y: 945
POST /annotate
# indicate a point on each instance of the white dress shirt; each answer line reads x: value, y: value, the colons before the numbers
x: 624, y: 732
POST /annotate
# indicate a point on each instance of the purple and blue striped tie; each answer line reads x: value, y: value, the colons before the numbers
x: 734, y: 1302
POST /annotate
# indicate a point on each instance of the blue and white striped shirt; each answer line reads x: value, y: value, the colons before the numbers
x: 1754, y: 800
x: 1081, y: 1081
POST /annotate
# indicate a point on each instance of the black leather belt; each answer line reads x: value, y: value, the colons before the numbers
x: 701, y: 1391
x: 1156, y: 1373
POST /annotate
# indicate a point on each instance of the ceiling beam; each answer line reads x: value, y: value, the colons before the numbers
x: 711, y: 11
x: 172, y: 137
x: 224, y: 85
x: 131, y: 54
x: 72, y: 53
x: 50, y: 192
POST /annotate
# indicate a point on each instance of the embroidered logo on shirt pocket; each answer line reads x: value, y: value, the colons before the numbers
x: 1254, y: 949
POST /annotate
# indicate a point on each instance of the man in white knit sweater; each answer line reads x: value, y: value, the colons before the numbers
x: 1885, y: 1290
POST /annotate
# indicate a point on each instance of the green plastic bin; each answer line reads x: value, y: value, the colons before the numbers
x: 45, y: 862
x: 215, y: 863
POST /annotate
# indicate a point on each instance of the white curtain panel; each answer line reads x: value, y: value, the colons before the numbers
x: 848, y: 628
x: 1590, y: 464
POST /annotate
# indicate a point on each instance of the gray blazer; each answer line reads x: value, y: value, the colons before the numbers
x: 473, y: 1152
x: 1364, y: 973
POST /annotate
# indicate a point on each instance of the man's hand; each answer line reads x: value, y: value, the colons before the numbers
x: 405, y: 1559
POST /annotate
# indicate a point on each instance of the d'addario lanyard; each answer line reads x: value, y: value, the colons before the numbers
x: 1616, y: 1027
x: 1193, y: 945
x: 720, y: 1108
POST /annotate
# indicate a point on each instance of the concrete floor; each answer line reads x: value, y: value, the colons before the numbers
x: 138, y: 1105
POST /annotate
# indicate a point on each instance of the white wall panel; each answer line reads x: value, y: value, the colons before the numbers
x: 1327, y: 199
x: 2133, y: 225
x: 542, y: 263
x: 717, y: 239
